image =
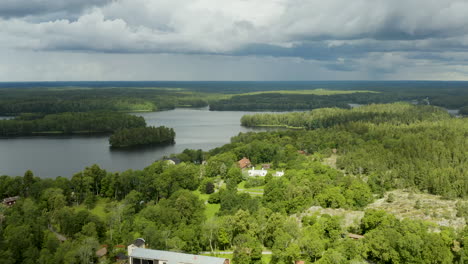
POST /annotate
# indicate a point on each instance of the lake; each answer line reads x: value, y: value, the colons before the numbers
x: 53, y: 156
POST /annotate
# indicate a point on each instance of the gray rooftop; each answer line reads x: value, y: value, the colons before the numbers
x: 174, y: 257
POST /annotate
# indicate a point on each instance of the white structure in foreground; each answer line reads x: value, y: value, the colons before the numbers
x: 150, y: 256
x: 254, y: 172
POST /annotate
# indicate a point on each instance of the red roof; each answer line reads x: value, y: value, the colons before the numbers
x: 244, y: 163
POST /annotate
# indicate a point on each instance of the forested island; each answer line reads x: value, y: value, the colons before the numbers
x: 380, y: 184
x: 141, y: 136
x: 69, y: 123
x: 126, y: 130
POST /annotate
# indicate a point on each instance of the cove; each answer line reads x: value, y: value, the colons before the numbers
x: 52, y: 156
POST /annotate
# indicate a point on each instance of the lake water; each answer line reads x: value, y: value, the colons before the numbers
x: 66, y: 155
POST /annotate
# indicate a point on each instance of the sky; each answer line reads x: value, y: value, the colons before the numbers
x: 102, y: 40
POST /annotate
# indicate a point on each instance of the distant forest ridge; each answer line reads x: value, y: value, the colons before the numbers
x: 60, y: 97
x: 251, y: 86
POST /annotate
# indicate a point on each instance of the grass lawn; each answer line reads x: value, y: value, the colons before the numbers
x: 211, y: 209
x: 98, y: 210
x: 257, y: 191
x: 202, y: 196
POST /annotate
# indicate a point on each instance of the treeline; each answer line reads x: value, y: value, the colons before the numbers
x: 131, y: 99
x: 68, y: 123
x: 48, y: 101
x: 396, y: 113
x: 58, y: 105
x: 141, y: 136
x: 288, y: 101
x: 280, y: 102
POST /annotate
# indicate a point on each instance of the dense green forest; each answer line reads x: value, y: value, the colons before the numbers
x: 141, y: 136
x: 203, y: 206
x: 327, y: 117
x: 292, y: 99
x: 68, y: 123
x: 301, y: 101
x: 396, y: 145
x: 59, y: 100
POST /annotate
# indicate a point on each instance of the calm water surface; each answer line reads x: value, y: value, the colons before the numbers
x: 66, y: 155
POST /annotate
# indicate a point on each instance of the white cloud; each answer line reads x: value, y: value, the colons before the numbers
x: 214, y: 26
x: 352, y: 37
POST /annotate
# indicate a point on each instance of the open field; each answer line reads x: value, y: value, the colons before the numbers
x: 314, y: 92
x: 430, y: 208
x: 422, y: 206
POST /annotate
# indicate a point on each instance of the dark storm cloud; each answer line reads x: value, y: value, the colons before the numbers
x: 375, y: 36
x: 23, y: 8
x: 309, y: 29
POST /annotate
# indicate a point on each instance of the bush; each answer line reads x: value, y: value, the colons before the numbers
x: 417, y: 205
x: 207, y: 186
x: 254, y: 182
x: 462, y: 209
x: 215, y: 198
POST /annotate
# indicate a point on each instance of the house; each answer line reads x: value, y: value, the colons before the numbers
x: 151, y: 256
x: 138, y: 243
x: 254, y: 172
x: 244, y: 163
x: 10, y: 200
x: 278, y: 173
x: 266, y: 166
x: 173, y: 161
